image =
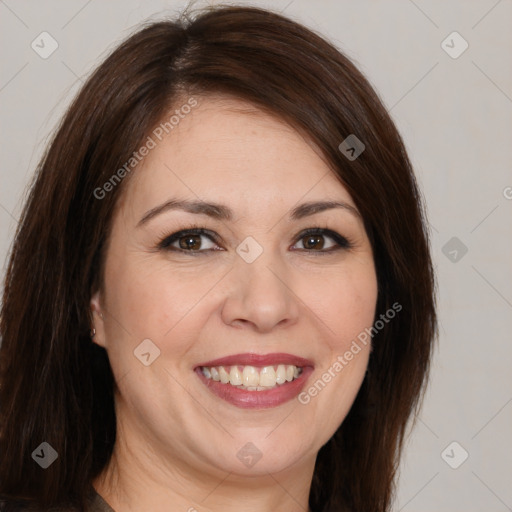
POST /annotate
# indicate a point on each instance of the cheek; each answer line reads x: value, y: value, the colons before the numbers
x: 346, y: 307
x: 344, y: 301
x: 148, y: 300
x: 139, y: 290
x: 153, y: 299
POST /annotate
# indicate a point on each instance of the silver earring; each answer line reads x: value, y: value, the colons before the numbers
x: 93, y: 332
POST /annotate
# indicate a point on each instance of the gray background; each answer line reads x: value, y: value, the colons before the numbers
x: 456, y: 118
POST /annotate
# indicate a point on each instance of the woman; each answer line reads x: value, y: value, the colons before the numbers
x: 220, y: 293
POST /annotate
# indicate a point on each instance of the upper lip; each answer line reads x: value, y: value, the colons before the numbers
x: 251, y: 359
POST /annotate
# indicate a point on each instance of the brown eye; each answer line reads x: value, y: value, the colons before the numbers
x: 191, y: 241
x: 313, y: 242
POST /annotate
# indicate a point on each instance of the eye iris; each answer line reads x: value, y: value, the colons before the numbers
x: 317, y: 242
x: 195, y: 242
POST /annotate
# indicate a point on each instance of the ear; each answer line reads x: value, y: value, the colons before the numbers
x: 98, y: 320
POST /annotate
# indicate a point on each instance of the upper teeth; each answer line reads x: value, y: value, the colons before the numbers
x: 252, y: 377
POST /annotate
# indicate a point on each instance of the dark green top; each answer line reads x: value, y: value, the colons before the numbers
x: 98, y: 504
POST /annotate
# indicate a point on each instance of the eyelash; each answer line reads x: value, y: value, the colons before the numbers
x: 341, y: 241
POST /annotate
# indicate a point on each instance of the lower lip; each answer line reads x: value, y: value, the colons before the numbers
x: 257, y: 399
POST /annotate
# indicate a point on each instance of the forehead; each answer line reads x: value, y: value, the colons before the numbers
x: 229, y: 151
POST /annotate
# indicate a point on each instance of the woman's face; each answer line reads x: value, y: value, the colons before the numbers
x: 253, y: 290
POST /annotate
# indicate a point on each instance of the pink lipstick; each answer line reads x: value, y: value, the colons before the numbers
x: 254, y: 380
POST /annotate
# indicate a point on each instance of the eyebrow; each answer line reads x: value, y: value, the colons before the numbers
x: 221, y: 212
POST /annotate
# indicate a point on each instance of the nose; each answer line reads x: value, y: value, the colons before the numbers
x: 260, y: 296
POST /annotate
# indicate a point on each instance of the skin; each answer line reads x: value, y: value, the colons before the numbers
x: 177, y: 442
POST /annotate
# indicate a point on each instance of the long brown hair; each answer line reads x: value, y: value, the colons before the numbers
x: 56, y: 386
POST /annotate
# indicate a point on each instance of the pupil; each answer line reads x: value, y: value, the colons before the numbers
x: 314, y: 239
x: 194, y: 243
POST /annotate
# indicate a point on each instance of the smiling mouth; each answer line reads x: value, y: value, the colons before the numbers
x: 255, y: 381
x: 252, y: 378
